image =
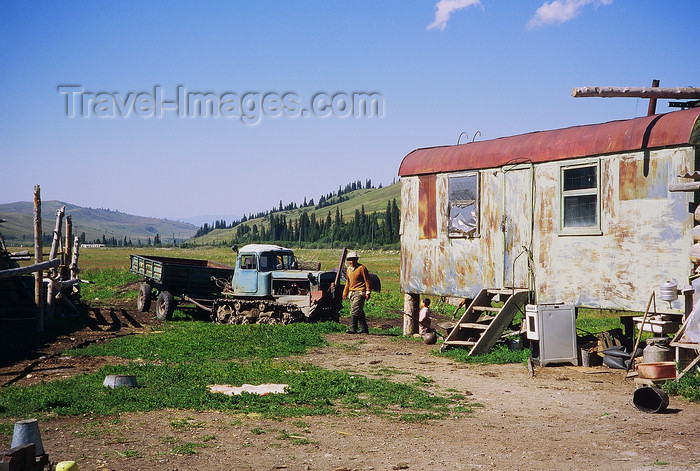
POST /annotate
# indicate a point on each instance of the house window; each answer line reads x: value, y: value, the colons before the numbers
x: 463, y: 194
x: 580, y: 198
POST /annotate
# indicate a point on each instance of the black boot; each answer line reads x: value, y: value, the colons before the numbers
x: 363, y: 326
x: 353, y: 326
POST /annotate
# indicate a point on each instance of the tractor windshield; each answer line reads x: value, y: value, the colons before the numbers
x: 276, y: 261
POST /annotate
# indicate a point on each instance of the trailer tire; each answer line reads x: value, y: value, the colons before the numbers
x: 165, y: 305
x: 143, y: 301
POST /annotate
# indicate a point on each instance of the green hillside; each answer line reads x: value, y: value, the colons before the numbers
x: 373, y: 200
x: 19, y: 227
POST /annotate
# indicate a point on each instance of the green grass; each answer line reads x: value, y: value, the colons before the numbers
x: 597, y: 320
x: 174, y: 367
x: 688, y: 387
x: 188, y: 448
x: 311, y: 391
x: 200, y: 341
x: 109, y: 283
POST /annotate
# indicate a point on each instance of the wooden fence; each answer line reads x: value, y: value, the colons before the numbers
x: 56, y: 279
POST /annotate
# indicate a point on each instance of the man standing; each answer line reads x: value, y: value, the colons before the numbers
x: 357, y: 288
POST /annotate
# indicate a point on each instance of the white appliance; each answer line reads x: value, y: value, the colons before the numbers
x: 551, y: 329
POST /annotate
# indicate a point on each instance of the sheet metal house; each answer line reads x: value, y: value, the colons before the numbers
x: 581, y: 215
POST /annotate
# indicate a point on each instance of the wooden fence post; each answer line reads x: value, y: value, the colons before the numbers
x: 38, y: 258
x: 51, y: 288
x: 68, y: 246
x: 411, y: 307
x: 74, y: 270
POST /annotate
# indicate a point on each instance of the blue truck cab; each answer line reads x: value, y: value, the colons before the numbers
x: 269, y: 272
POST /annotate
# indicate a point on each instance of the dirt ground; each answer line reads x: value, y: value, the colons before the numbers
x: 563, y: 418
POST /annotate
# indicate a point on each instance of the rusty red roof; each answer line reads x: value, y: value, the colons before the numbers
x: 648, y: 132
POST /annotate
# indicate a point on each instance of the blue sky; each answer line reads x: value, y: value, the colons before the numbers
x: 440, y: 68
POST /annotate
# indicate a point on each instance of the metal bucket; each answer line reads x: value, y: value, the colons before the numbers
x: 118, y: 381
x: 650, y: 399
x: 590, y: 357
x: 26, y: 432
x: 669, y: 291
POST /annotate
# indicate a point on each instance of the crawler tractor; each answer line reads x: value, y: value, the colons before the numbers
x: 268, y: 287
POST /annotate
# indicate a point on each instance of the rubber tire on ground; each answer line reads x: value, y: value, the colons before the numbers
x: 143, y: 301
x: 165, y: 305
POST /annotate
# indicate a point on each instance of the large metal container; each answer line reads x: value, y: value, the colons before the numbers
x: 669, y: 291
x: 658, y: 350
x: 650, y: 399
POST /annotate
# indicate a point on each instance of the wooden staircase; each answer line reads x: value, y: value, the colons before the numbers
x: 481, y: 325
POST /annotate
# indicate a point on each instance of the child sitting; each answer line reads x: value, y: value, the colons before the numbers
x: 424, y: 316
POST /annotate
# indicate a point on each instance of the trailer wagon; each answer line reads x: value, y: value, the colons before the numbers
x: 175, y: 280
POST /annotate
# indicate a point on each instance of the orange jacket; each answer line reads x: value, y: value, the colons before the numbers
x: 357, y: 280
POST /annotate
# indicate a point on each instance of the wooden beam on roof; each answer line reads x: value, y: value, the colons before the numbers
x: 643, y: 92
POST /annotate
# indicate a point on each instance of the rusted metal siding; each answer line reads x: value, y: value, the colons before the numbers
x: 643, y: 241
x: 643, y: 178
x: 648, y: 132
x: 450, y: 266
x: 517, y: 225
x: 426, y: 207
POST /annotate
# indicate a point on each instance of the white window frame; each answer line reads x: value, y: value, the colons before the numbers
x: 477, y: 204
x: 563, y: 194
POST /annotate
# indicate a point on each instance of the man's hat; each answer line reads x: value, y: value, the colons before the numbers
x: 351, y: 254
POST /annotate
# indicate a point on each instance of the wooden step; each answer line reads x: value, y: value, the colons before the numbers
x: 481, y: 325
x: 486, y: 309
x: 473, y: 325
x: 508, y: 291
x: 462, y: 343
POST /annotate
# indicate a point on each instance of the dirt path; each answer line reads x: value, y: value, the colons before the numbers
x: 564, y: 418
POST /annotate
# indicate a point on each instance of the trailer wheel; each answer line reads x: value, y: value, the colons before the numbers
x: 165, y: 305
x: 143, y: 302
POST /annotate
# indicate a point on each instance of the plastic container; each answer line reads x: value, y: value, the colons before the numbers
x: 657, y: 370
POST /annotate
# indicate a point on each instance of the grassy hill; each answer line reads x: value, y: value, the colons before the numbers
x: 374, y: 200
x: 18, y: 230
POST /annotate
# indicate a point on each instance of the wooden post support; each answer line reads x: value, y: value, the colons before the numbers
x: 50, y: 301
x: 39, y: 267
x: 68, y: 248
x: 38, y: 258
x: 57, y: 236
x: 51, y: 288
x: 74, y: 270
x: 652, y: 101
x: 411, y: 306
